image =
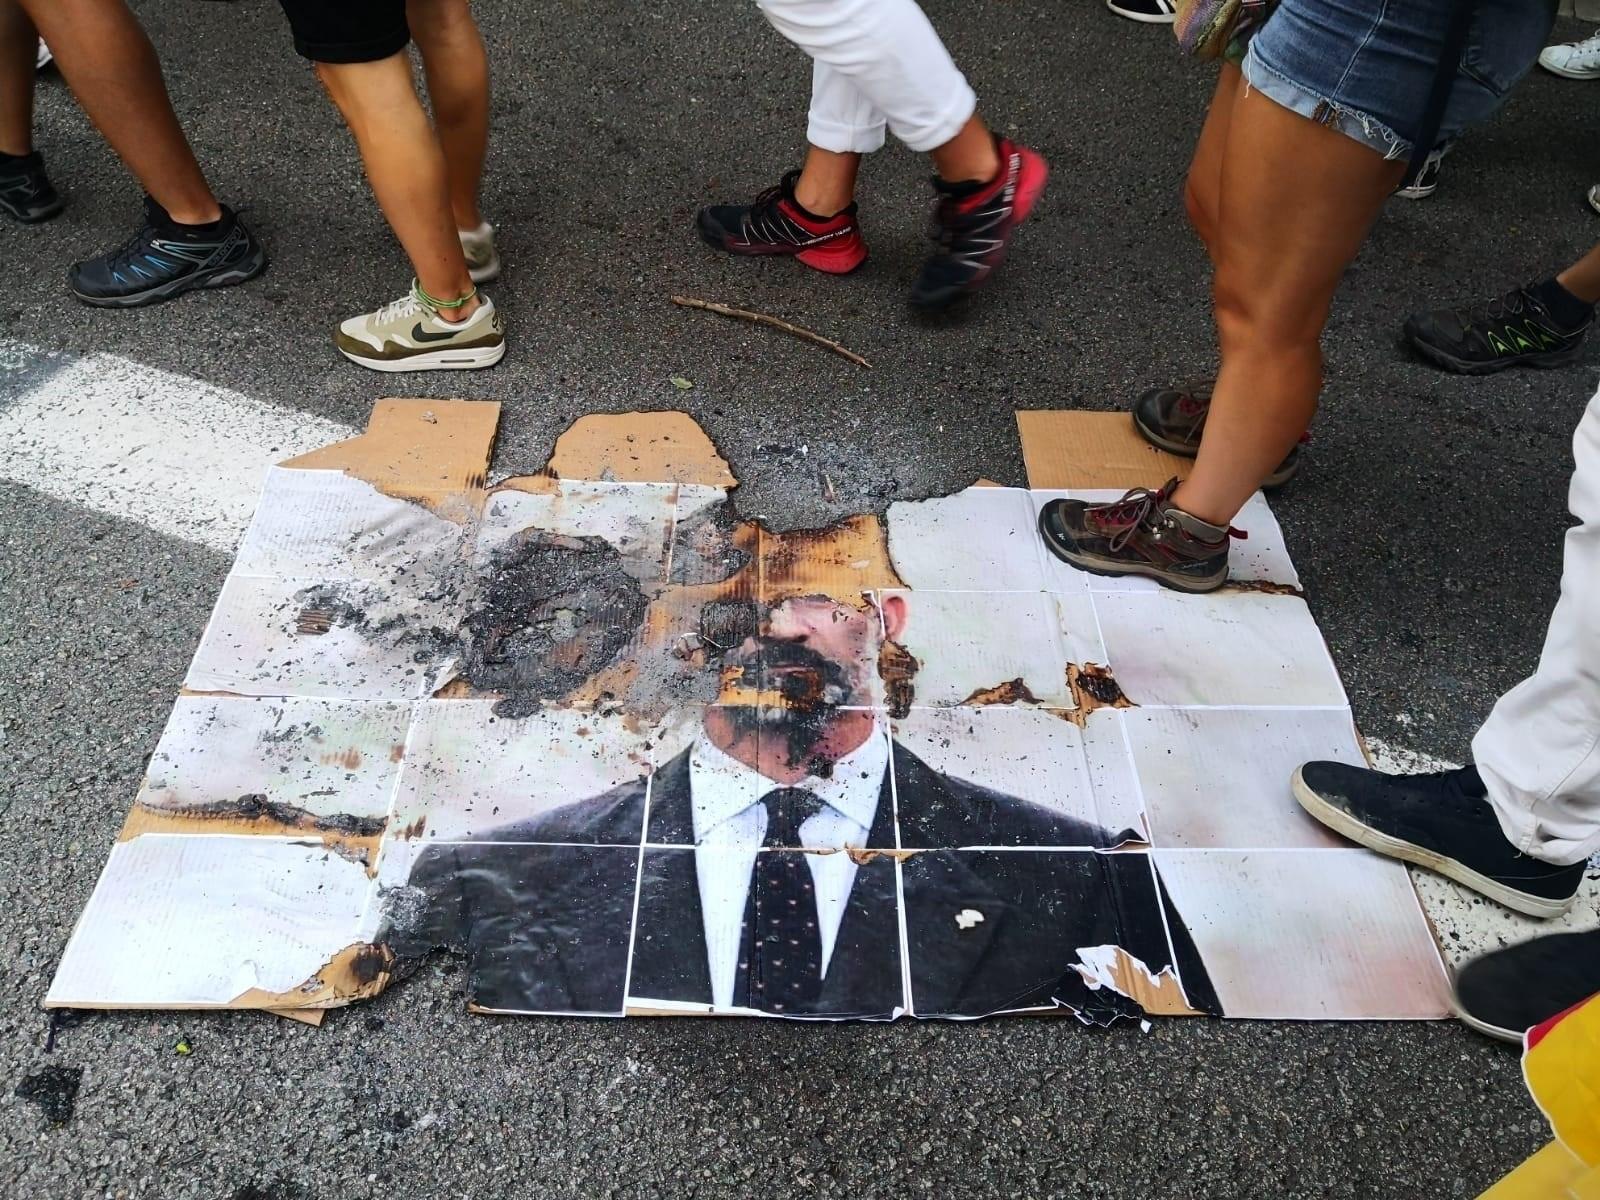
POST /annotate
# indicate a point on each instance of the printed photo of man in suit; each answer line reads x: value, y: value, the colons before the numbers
x: 793, y: 859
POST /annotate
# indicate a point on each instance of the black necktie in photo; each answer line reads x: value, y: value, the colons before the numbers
x: 780, y: 950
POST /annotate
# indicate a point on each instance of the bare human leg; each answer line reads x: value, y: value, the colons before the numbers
x: 457, y: 70
x: 19, y: 43
x: 112, y: 69
x: 827, y: 183
x: 1582, y: 278
x: 406, y: 167
x: 1296, y: 200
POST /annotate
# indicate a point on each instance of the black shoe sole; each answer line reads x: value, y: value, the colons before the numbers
x: 35, y: 216
x: 1342, y: 823
x: 241, y: 272
x: 1286, y: 471
x: 1462, y: 366
x: 1112, y: 568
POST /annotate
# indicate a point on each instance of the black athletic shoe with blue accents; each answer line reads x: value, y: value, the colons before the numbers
x: 165, y: 259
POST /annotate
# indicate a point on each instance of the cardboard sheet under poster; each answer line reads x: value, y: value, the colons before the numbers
x: 628, y: 751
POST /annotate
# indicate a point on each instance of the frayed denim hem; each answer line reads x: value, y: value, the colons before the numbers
x: 1352, y: 122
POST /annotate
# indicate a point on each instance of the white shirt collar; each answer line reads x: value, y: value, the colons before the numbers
x: 721, y: 787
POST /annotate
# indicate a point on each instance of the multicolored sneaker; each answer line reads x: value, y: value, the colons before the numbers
x: 26, y: 193
x: 1143, y: 533
x: 973, y: 225
x: 1174, y: 418
x: 774, y: 223
x: 483, y: 260
x: 408, y: 335
x: 1514, y: 330
x: 165, y: 259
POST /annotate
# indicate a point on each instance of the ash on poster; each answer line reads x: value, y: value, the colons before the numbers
x: 630, y: 751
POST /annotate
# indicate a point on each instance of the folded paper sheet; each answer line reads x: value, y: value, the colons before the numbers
x: 630, y: 752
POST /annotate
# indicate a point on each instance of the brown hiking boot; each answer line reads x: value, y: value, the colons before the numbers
x: 1173, y: 418
x: 1141, y: 534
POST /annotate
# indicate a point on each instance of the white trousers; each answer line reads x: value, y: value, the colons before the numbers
x: 876, y: 63
x: 1539, y: 751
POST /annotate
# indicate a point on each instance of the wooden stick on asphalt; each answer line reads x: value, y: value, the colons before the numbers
x: 744, y: 314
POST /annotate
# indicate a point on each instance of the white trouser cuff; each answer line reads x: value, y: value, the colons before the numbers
x: 844, y: 139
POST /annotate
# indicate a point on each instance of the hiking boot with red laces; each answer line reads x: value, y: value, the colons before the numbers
x: 1174, y: 418
x: 774, y: 223
x: 1143, y: 533
x: 973, y: 224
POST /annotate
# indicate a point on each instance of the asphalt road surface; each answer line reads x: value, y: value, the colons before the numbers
x: 1426, y: 527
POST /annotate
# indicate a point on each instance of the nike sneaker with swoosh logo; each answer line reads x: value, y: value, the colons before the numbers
x: 409, y: 335
x: 773, y: 223
x: 973, y: 225
x: 165, y: 259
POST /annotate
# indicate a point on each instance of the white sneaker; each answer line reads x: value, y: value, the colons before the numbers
x: 45, y: 57
x: 1594, y: 197
x: 408, y: 335
x: 1575, y: 60
x: 483, y: 260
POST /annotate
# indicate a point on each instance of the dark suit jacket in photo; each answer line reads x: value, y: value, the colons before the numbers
x: 545, y: 907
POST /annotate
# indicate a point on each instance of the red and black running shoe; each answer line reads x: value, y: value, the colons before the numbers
x: 973, y: 225
x: 774, y: 224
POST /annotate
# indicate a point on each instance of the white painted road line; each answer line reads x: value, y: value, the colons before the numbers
x: 178, y: 455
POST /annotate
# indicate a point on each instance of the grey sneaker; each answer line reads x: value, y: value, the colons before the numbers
x: 409, y: 335
x: 483, y: 260
x: 1143, y: 533
x: 1174, y: 418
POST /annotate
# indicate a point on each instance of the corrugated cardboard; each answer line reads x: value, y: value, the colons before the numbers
x: 1092, y: 450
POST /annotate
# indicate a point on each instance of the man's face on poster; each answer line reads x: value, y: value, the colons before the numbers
x: 787, y: 668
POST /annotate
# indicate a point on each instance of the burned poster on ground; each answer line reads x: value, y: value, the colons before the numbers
x: 629, y: 751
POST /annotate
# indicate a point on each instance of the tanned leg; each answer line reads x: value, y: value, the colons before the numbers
x: 406, y: 167
x: 1295, y: 203
x: 109, y: 63
x: 19, y: 45
x: 457, y: 70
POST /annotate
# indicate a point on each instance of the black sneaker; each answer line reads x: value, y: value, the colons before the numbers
x: 1442, y: 821
x: 164, y: 260
x: 973, y: 225
x: 1507, y: 992
x: 26, y: 193
x: 1144, y: 533
x: 1514, y: 330
x: 1174, y: 418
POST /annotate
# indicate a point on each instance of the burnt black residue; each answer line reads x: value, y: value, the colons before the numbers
x: 54, y: 1090
x: 553, y: 611
x: 254, y: 806
x: 705, y: 548
x: 324, y: 607
x: 368, y: 963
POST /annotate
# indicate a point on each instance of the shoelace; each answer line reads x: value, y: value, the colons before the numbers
x: 1512, y: 304
x: 407, y: 306
x: 1139, y: 508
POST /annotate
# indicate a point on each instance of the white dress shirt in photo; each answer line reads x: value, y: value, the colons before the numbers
x: 730, y: 823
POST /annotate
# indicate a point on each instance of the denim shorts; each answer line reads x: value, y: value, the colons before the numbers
x: 1366, y: 67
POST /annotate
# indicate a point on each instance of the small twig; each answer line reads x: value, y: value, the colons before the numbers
x: 744, y: 314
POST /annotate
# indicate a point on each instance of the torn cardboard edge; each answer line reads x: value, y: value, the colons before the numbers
x: 434, y: 452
